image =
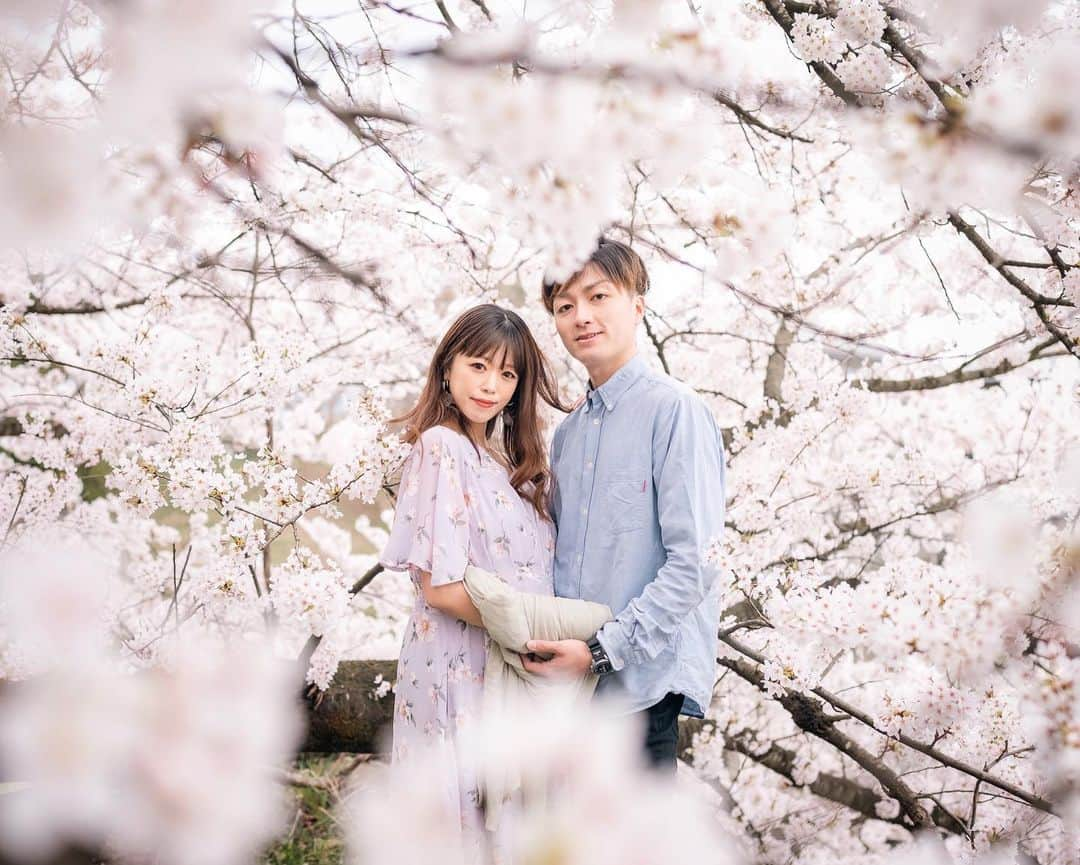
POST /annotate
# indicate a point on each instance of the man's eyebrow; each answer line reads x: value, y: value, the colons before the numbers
x: 591, y: 285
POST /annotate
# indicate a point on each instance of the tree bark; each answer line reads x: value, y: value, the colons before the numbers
x: 347, y: 717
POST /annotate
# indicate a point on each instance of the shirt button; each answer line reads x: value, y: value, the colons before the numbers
x: 596, y: 421
x: 588, y: 465
x: 584, y: 511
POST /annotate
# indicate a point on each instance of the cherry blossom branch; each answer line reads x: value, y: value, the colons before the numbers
x: 657, y: 343
x: 808, y: 716
x: 117, y: 415
x: 1027, y: 207
x: 323, y: 258
x: 958, y: 375
x: 774, y: 373
x: 85, y: 308
x: 451, y: 25
x: 163, y: 409
x: 780, y: 14
x: 997, y: 262
x: 832, y: 787
x: 881, y: 385
x: 304, y: 658
x: 915, y: 59
x: 753, y: 120
x: 781, y: 311
x: 620, y: 71
x: 366, y: 578
x: 404, y: 11
x: 17, y: 359
x: 282, y: 526
x: 950, y: 100
x: 348, y: 116
x: 15, y: 510
x: 1038, y: 300
x: 82, y: 308
x: 177, y: 581
x: 779, y: 10
x: 892, y: 37
x: 861, y: 529
x: 1032, y: 799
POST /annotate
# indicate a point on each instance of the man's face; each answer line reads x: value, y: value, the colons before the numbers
x: 597, y: 321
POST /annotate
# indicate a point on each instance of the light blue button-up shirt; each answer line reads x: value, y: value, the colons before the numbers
x: 638, y: 498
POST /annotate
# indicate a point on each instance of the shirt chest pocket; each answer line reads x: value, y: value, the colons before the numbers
x: 629, y: 496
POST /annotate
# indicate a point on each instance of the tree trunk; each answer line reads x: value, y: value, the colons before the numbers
x: 347, y: 717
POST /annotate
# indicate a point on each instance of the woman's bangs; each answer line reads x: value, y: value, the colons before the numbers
x: 490, y: 345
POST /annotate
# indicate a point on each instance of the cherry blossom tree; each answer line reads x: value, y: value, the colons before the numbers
x: 234, y: 231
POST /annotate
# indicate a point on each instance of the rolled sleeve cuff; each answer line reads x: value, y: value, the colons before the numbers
x: 616, y: 645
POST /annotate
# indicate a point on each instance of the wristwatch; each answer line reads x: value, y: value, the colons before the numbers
x: 601, y: 663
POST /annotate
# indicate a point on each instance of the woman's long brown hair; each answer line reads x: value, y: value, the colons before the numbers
x: 486, y: 331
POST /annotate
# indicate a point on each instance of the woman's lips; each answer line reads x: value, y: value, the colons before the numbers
x: 482, y: 403
x: 585, y: 339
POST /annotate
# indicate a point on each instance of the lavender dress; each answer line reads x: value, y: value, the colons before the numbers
x: 455, y: 508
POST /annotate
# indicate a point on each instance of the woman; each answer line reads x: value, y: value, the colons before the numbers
x: 466, y: 500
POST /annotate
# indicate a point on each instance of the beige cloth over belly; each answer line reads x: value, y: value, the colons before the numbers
x: 511, y: 619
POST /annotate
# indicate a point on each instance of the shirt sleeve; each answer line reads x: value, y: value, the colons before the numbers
x: 689, y: 474
x: 553, y: 488
x: 431, y: 520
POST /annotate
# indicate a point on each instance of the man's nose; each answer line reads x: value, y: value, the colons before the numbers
x: 582, y: 316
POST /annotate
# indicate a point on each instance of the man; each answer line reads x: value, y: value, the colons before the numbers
x: 639, y: 495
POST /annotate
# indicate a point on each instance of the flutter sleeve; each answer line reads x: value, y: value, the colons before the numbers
x: 431, y: 522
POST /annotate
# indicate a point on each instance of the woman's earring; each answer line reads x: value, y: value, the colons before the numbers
x: 447, y: 397
x: 508, y: 418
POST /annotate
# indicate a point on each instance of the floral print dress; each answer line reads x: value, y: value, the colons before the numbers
x: 456, y: 508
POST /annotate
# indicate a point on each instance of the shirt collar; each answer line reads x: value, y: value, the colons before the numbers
x: 610, y: 391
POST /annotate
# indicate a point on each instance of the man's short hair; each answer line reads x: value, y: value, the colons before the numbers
x: 617, y: 261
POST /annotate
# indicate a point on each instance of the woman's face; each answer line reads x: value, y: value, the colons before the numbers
x: 481, y: 387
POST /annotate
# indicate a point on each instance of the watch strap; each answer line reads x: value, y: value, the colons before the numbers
x: 601, y: 663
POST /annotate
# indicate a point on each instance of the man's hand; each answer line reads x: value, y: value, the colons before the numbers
x: 570, y: 659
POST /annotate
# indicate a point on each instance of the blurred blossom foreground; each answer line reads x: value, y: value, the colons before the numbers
x: 176, y: 762
x: 581, y: 796
x: 173, y: 762
x: 180, y: 762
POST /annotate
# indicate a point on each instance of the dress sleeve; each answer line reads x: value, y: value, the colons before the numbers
x: 431, y: 521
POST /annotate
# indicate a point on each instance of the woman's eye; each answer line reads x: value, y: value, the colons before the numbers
x: 599, y: 296
x: 563, y: 308
x: 477, y: 365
